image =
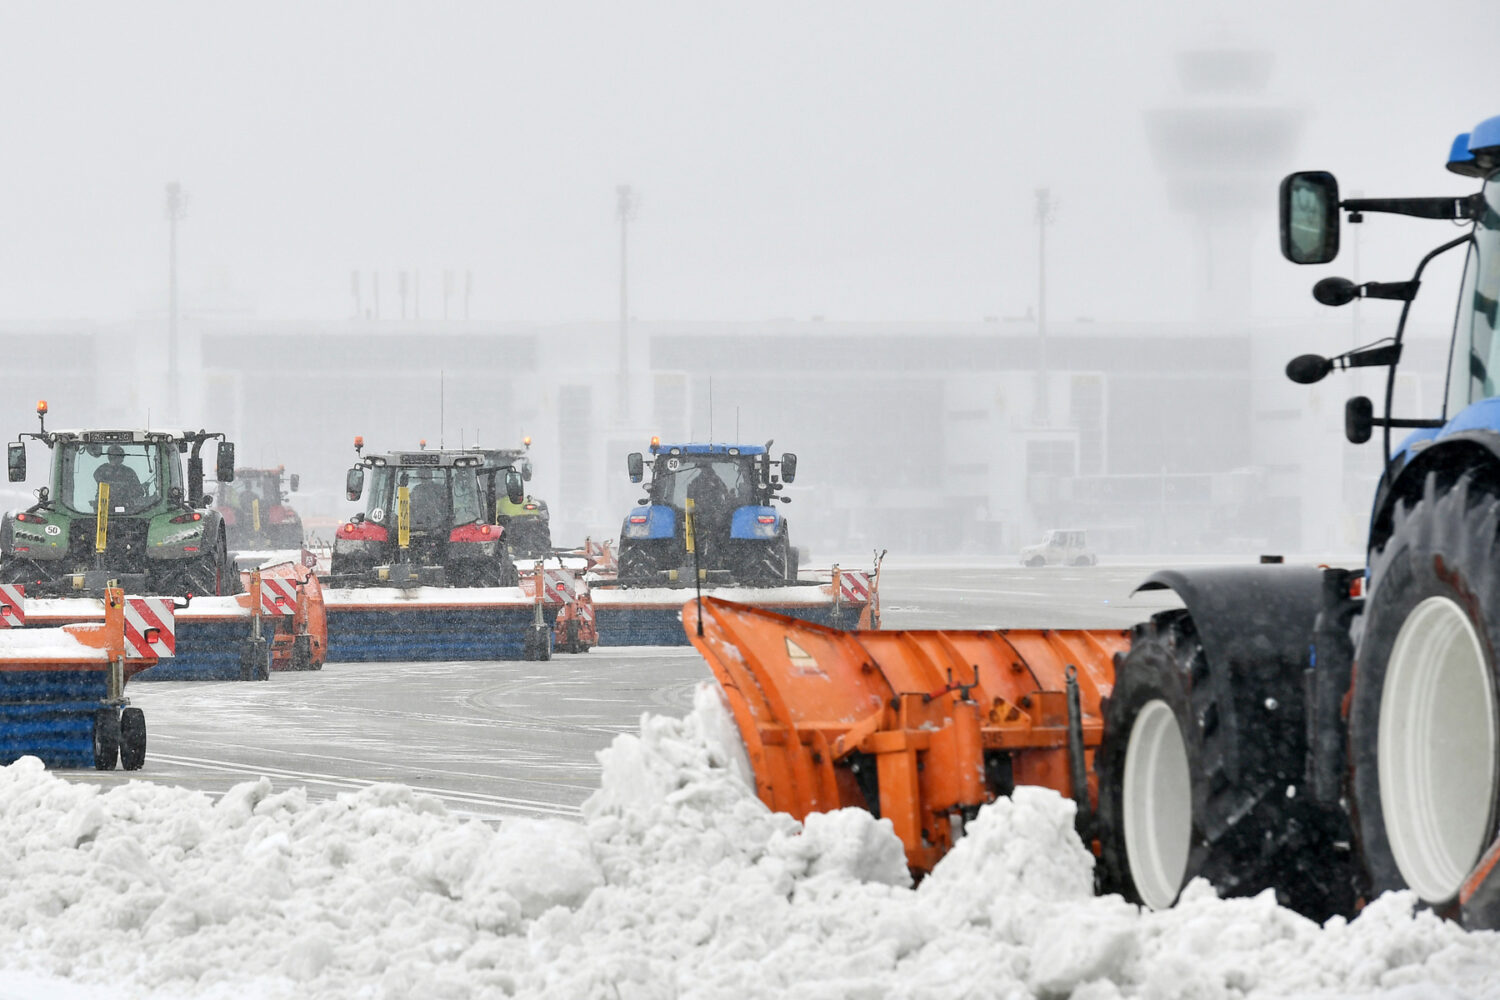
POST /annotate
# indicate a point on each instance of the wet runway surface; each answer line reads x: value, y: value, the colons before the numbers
x: 520, y: 738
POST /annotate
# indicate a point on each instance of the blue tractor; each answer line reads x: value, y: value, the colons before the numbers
x: 1333, y: 734
x: 709, y: 514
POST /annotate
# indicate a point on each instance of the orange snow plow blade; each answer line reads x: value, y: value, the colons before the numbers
x: 921, y: 727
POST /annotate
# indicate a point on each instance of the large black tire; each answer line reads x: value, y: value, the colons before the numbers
x: 1176, y: 732
x: 637, y: 564
x: 106, y: 739
x: 211, y: 574
x: 762, y: 562
x: 132, y: 739
x: 1424, y: 712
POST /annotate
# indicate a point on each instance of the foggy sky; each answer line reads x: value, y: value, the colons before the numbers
x: 853, y: 160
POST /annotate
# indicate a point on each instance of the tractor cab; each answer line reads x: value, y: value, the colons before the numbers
x: 526, y: 520
x: 257, y: 510
x: 709, y: 513
x: 118, y: 507
x: 428, y: 519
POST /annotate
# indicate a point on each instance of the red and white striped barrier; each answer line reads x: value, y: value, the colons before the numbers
x: 150, y: 627
x: 559, y: 585
x: 854, y: 587
x: 12, y: 605
x: 278, y: 595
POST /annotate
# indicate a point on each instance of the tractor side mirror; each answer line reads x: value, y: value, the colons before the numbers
x: 15, y: 461
x: 354, y: 483
x: 526, y: 470
x: 636, y: 465
x: 515, y: 486
x: 296, y: 481
x: 1359, y: 417
x: 1310, y: 217
x: 224, y: 468
x: 788, y: 467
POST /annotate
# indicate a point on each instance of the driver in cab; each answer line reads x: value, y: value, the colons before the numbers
x: 428, y: 500
x: 124, y: 485
x: 710, y: 496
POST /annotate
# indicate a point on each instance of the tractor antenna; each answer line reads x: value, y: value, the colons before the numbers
x: 710, y: 409
x: 442, y: 409
x: 736, y: 425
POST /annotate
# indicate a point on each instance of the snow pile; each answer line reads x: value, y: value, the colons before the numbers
x: 678, y: 883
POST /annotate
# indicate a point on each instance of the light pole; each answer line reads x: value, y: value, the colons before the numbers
x: 176, y: 206
x: 1046, y: 211
x: 625, y: 208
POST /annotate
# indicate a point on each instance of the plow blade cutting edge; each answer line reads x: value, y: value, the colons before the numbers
x: 921, y: 727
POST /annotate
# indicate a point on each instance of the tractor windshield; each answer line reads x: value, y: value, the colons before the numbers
x: 727, y: 482
x: 1475, y: 372
x: 251, y: 488
x: 440, y: 497
x: 138, y: 475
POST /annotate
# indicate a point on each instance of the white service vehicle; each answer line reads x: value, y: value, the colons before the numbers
x: 1060, y: 547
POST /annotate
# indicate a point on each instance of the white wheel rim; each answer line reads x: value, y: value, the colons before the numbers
x: 1435, y: 749
x: 1158, y: 805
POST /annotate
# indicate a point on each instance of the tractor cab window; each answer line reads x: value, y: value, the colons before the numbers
x: 1475, y: 372
x: 440, y: 497
x: 716, y: 483
x: 138, y: 475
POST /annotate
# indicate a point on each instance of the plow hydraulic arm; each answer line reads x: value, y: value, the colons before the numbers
x: 919, y: 727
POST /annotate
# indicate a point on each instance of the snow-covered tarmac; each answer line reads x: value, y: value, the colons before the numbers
x: 674, y: 881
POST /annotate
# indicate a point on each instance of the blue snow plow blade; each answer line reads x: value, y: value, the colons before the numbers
x: 210, y: 634
x: 381, y: 624
x: 50, y: 714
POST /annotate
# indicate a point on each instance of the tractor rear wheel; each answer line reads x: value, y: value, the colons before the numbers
x: 638, y: 565
x: 106, y: 739
x: 132, y: 739
x: 210, y: 575
x: 1194, y: 782
x: 1424, y: 714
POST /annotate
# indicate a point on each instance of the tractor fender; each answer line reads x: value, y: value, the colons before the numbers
x: 660, y: 522
x: 1252, y: 621
x: 1449, y: 453
x: 746, y: 522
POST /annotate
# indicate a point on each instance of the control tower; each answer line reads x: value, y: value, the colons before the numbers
x: 1222, y: 147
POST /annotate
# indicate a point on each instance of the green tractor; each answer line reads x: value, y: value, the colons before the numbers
x: 527, y: 522
x: 117, y: 508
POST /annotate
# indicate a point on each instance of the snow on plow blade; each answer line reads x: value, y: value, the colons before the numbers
x: 58, y: 686
x: 651, y: 616
x: 921, y: 727
x: 215, y: 637
x: 440, y: 623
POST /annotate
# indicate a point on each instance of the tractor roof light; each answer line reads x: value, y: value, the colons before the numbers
x: 422, y: 444
x: 655, y: 444
x: 526, y: 440
x: 359, y: 444
x: 41, y: 407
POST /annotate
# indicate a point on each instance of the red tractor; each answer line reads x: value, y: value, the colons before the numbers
x: 257, y: 512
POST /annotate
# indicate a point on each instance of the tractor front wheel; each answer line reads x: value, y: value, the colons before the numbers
x: 1195, y: 781
x: 1424, y: 715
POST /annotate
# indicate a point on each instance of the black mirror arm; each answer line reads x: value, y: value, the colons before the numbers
x: 1401, y: 291
x: 1468, y: 207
